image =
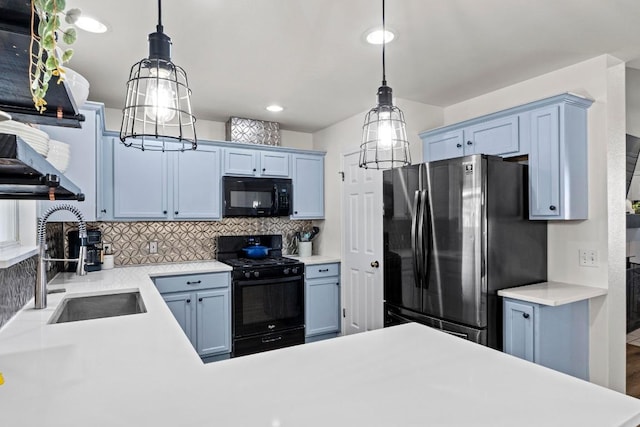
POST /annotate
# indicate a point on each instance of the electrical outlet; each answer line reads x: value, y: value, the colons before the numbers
x: 106, y: 248
x: 153, y: 247
x: 588, y: 257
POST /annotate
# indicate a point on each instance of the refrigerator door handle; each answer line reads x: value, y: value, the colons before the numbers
x: 414, y: 237
x: 425, y: 238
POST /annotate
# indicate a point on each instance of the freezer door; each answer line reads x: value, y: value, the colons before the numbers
x: 402, y: 284
x: 453, y: 241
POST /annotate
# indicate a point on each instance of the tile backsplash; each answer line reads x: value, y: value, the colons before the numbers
x: 186, y: 241
x: 16, y: 287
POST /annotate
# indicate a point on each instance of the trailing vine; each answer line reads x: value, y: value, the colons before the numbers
x: 44, y: 63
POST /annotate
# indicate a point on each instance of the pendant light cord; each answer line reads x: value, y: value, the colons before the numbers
x: 384, y: 42
x: 159, y: 26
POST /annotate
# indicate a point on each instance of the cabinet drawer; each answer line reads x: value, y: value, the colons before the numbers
x: 188, y: 282
x: 322, y: 270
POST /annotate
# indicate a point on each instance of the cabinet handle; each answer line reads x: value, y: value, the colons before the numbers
x: 459, y: 145
x: 176, y: 213
x: 469, y: 143
x: 295, y: 212
x: 188, y: 301
x: 254, y: 169
x: 264, y: 169
x: 200, y: 299
x: 552, y: 207
x: 338, y: 284
x: 103, y: 210
x: 323, y: 270
x: 194, y: 283
x: 164, y: 212
x: 525, y: 315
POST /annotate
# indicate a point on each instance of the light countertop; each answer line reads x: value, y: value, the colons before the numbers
x: 141, y: 370
x: 552, y: 293
x: 316, y: 259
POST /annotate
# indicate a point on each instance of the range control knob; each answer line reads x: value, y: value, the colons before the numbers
x: 294, y: 270
x: 285, y: 271
x: 256, y: 274
x: 247, y: 274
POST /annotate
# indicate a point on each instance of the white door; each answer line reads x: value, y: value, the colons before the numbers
x: 362, y: 247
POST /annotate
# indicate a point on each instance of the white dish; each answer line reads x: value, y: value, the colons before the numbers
x: 36, y: 138
x: 78, y: 84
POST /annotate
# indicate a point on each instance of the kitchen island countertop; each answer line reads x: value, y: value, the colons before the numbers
x: 141, y: 370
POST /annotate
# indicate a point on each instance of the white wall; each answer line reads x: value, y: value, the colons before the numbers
x: 212, y: 130
x: 601, y: 79
x: 345, y: 137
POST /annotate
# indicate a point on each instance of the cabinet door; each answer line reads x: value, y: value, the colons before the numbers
x: 82, y: 162
x: 544, y: 164
x: 519, y: 330
x: 308, y: 186
x: 213, y: 322
x: 322, y: 306
x: 238, y: 161
x: 446, y: 145
x: 196, y: 184
x: 498, y: 137
x: 181, y: 306
x: 274, y: 164
x: 139, y: 183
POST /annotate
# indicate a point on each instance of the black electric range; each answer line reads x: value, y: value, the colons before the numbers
x: 267, y: 295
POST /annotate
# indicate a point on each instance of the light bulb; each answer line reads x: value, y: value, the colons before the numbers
x: 160, y: 97
x: 386, y: 133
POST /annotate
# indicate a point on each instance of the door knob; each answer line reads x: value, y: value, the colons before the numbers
x: 375, y: 264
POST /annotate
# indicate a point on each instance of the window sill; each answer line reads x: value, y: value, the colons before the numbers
x: 15, y: 254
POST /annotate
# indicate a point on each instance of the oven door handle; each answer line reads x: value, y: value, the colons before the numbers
x: 268, y: 281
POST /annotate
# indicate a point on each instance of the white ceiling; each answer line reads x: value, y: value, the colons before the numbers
x: 310, y: 55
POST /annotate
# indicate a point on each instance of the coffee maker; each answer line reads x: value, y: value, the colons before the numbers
x: 94, y: 249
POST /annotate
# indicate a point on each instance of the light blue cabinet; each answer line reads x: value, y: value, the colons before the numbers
x: 552, y: 132
x: 553, y: 336
x: 83, y: 161
x: 502, y: 136
x: 308, y: 186
x: 152, y: 185
x: 322, y: 301
x: 256, y: 162
x: 201, y: 304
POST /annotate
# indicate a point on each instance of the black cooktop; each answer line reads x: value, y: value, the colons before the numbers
x: 261, y: 262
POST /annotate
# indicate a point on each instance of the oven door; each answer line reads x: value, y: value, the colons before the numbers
x: 268, y: 305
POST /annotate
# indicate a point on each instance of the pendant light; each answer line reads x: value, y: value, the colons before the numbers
x: 157, y: 112
x: 384, y: 135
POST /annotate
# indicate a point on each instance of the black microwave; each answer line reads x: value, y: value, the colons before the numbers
x: 257, y: 196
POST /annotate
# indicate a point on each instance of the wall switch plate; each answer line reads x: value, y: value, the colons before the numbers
x: 153, y: 247
x: 106, y: 248
x: 588, y: 257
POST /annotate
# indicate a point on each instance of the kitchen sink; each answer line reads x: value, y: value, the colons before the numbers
x: 73, y: 309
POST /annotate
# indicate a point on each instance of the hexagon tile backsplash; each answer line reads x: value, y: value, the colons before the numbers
x: 186, y: 241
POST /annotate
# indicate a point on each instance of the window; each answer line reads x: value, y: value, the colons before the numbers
x: 8, y: 223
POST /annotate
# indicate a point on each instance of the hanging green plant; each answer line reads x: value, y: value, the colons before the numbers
x: 45, y: 62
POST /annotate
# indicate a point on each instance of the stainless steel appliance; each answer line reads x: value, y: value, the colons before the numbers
x: 93, y: 245
x: 455, y: 232
x: 257, y: 196
x: 267, y: 294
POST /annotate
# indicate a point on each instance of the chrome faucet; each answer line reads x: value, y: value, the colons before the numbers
x: 41, y: 274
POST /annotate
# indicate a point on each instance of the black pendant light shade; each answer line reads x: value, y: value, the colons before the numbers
x: 384, y: 135
x: 157, y: 112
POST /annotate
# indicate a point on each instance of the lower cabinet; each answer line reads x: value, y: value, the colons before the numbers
x: 553, y: 336
x: 201, y: 304
x: 322, y: 301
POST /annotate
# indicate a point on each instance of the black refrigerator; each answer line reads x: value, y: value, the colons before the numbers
x: 455, y: 232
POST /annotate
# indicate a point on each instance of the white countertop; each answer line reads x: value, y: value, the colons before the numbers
x: 316, y: 259
x: 552, y: 293
x: 141, y: 370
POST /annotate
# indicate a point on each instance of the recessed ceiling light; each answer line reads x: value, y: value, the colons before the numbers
x: 274, y: 108
x: 375, y: 36
x: 90, y: 24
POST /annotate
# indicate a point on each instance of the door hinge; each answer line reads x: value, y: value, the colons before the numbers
x: 344, y: 312
x: 341, y: 175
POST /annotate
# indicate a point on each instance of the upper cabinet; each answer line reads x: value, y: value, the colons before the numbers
x: 255, y: 162
x: 83, y: 161
x: 552, y: 132
x: 308, y: 186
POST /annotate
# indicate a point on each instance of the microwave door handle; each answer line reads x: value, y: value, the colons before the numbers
x: 275, y: 199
